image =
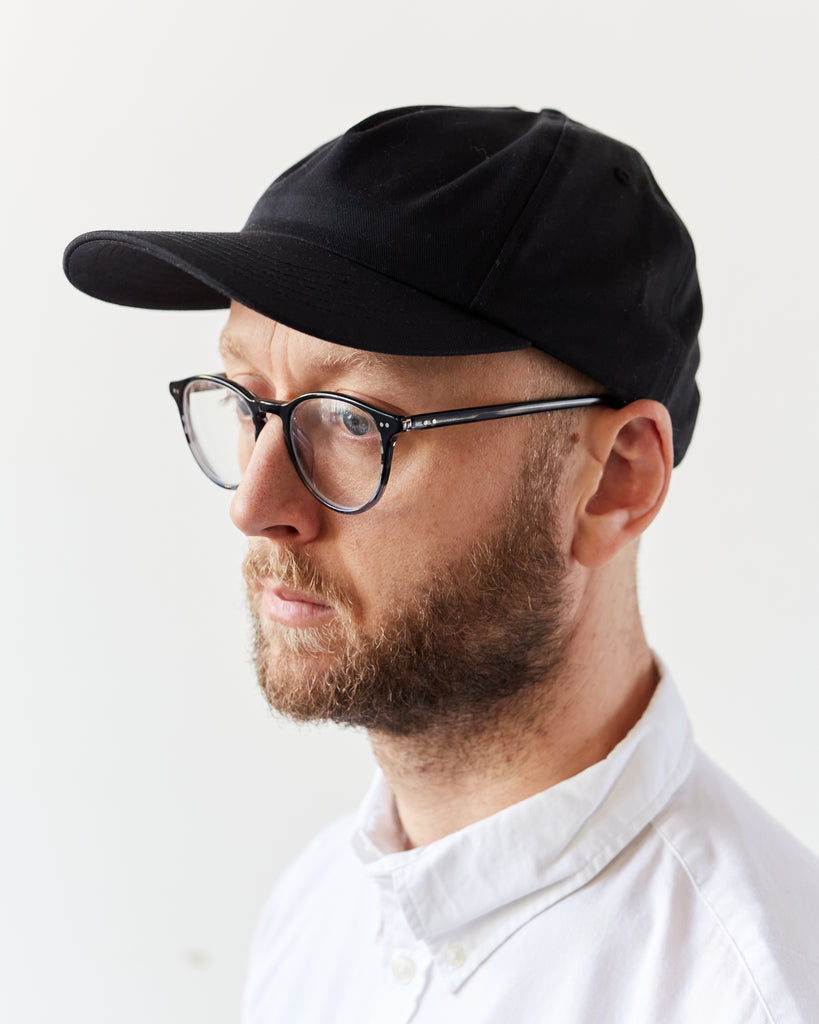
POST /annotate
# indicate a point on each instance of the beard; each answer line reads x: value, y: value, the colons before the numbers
x: 478, y: 641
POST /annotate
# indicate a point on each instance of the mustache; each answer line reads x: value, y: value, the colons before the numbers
x: 295, y: 570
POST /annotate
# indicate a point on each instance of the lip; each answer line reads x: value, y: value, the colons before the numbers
x: 292, y: 607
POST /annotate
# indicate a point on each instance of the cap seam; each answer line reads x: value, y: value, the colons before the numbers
x: 671, y: 374
x: 488, y: 283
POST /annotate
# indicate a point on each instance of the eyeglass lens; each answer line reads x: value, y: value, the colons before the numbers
x: 336, y: 445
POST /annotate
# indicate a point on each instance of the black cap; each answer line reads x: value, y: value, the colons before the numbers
x: 449, y: 231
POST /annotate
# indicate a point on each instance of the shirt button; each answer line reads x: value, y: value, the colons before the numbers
x: 403, y: 969
x: 454, y: 955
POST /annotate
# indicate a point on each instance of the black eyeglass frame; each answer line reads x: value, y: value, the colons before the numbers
x: 389, y: 425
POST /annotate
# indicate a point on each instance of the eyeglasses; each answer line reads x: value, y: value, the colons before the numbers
x: 340, y: 447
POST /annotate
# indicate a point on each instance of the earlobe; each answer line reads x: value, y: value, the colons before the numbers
x: 634, y: 447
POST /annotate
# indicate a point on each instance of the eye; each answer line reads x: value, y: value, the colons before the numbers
x: 355, y: 421
x: 235, y: 404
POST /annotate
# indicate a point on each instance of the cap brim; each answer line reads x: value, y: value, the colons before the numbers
x: 298, y: 284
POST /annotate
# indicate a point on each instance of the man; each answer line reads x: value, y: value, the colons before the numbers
x: 459, y: 367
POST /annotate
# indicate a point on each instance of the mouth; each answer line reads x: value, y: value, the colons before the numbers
x: 292, y: 607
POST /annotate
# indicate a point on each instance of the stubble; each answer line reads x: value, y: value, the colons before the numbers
x: 484, y: 636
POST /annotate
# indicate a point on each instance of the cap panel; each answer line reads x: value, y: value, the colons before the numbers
x: 590, y: 270
x: 425, y: 201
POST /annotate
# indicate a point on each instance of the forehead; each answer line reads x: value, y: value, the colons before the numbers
x: 251, y: 338
x: 253, y: 342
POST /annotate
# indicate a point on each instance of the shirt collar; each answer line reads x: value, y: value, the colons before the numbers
x: 488, y: 879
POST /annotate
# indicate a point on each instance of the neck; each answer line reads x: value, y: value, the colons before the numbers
x: 452, y: 776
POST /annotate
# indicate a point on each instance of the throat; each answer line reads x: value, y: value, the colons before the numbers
x: 453, y: 775
x: 449, y: 777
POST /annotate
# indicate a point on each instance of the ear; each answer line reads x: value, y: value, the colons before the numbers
x: 627, y: 475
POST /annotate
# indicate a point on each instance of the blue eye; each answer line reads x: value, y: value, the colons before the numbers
x: 356, y: 421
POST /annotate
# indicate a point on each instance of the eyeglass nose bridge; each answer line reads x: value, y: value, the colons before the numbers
x: 263, y: 412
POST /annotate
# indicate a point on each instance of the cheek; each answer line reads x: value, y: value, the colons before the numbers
x: 460, y: 472
x: 245, y: 443
x: 444, y: 493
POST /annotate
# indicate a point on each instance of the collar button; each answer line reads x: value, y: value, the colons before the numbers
x: 403, y: 968
x: 455, y: 955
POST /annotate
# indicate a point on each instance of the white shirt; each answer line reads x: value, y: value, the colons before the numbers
x: 648, y: 889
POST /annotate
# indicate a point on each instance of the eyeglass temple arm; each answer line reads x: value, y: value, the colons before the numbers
x: 428, y: 420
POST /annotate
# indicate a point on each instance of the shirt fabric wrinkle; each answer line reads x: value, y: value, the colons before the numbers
x: 646, y: 888
x: 589, y: 818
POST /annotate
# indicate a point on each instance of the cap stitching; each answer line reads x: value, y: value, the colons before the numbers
x: 488, y: 283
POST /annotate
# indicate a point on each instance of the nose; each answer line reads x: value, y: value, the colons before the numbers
x: 271, y: 500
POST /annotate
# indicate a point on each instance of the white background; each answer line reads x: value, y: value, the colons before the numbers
x: 147, y: 798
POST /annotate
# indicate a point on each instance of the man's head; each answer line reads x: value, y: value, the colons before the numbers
x: 453, y: 597
x: 445, y: 596
x: 437, y: 259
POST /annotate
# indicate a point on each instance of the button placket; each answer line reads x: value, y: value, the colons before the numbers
x: 404, y: 982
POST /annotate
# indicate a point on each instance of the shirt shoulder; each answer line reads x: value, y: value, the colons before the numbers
x: 756, y: 880
x: 328, y: 854
x: 297, y: 940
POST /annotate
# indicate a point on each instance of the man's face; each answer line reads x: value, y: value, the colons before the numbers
x: 442, y: 602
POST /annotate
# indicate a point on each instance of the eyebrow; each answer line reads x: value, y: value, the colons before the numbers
x: 228, y: 346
